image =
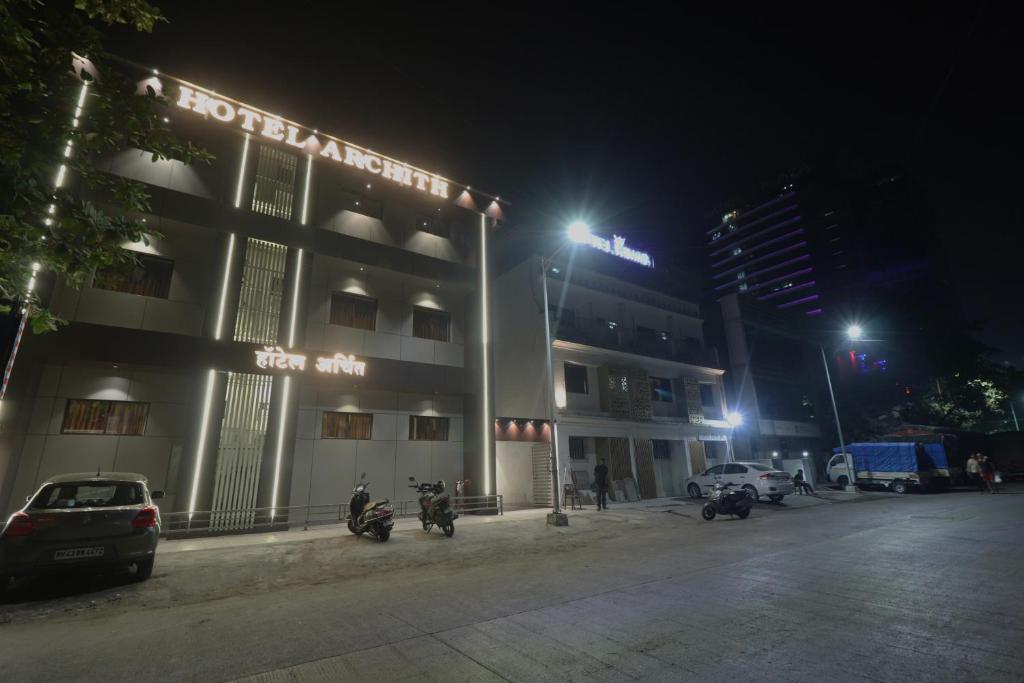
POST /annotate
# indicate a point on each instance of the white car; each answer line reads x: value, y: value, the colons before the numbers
x: 760, y: 480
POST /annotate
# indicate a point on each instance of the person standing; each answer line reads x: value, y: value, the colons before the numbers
x: 601, y: 481
x: 973, y: 468
x: 988, y: 473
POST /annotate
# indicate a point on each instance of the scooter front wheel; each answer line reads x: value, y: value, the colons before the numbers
x: 352, y: 527
x: 708, y: 512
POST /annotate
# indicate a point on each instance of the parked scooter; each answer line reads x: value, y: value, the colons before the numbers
x: 723, y: 501
x: 374, y: 518
x: 435, y: 507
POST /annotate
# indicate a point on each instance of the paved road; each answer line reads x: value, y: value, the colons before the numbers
x: 892, y: 589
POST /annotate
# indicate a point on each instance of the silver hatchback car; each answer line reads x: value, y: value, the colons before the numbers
x: 83, y: 521
x: 760, y: 480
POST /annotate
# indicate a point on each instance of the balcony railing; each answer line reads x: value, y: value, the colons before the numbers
x: 608, y: 335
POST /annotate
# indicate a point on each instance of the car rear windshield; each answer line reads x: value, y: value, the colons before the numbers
x: 761, y: 468
x: 93, y: 494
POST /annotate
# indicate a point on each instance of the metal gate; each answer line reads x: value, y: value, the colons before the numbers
x: 243, y: 430
x: 542, y: 475
x: 259, y: 301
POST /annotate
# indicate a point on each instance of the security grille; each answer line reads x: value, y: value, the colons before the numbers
x: 243, y: 430
x: 259, y: 303
x: 542, y: 474
x: 274, y: 191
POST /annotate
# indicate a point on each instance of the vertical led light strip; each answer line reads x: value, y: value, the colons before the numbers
x: 295, y: 297
x: 241, y: 172
x: 305, y: 193
x: 224, y: 286
x: 201, y: 444
x: 280, y: 444
x: 484, y: 341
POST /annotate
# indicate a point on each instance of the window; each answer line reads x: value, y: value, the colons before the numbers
x: 717, y: 469
x: 429, y: 323
x: 346, y: 426
x: 428, y: 428
x: 435, y: 225
x: 357, y: 203
x: 661, y: 390
x: 576, y: 450
x: 274, y: 191
x: 88, y: 494
x: 576, y: 379
x: 707, y: 395
x: 562, y: 317
x: 151, y: 276
x: 123, y: 418
x: 733, y: 468
x: 353, y: 310
x: 662, y: 449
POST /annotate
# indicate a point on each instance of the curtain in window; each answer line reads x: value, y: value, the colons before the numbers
x: 346, y: 426
x: 431, y: 324
x: 428, y: 428
x: 122, y: 418
x: 85, y: 417
x: 151, y: 276
x: 354, y: 311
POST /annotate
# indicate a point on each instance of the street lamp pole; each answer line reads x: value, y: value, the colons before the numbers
x: 1016, y: 425
x: 556, y: 517
x: 839, y: 427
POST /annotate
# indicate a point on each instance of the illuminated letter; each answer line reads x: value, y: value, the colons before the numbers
x: 190, y: 99
x: 421, y: 180
x: 293, y: 138
x: 439, y: 187
x: 372, y: 163
x: 353, y: 157
x: 220, y: 110
x: 398, y: 173
x: 248, y: 117
x: 331, y: 150
x: 272, y: 129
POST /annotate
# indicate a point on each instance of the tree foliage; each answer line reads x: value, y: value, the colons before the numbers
x: 40, y: 84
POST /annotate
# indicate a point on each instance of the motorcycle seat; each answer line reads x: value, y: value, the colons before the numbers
x: 374, y: 503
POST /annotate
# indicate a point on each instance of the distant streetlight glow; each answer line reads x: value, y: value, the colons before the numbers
x: 734, y: 419
x: 854, y: 332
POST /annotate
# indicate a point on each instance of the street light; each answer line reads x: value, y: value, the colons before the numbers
x: 734, y: 419
x: 853, y: 333
x: 578, y: 231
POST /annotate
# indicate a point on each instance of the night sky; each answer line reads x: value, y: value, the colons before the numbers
x: 647, y: 123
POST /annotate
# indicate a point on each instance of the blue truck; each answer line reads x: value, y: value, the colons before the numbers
x: 898, y: 466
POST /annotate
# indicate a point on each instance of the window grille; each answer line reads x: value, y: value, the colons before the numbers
x: 352, y: 310
x: 274, y: 191
x: 346, y: 426
x: 259, y: 302
x: 576, y: 448
x: 151, y: 276
x: 123, y: 418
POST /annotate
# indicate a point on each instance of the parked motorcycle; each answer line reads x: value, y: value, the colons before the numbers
x: 723, y: 501
x: 435, y: 507
x: 374, y: 518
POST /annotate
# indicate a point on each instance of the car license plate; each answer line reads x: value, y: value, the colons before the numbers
x: 79, y: 553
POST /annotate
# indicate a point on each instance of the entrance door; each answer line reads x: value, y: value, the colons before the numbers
x: 698, y: 461
x: 643, y: 450
x: 542, y: 474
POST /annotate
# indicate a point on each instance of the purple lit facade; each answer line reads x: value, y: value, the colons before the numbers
x: 764, y: 251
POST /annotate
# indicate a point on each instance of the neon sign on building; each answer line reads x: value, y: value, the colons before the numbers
x: 275, y: 357
x: 252, y: 120
x: 616, y: 246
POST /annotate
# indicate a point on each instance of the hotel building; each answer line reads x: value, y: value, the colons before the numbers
x: 311, y: 310
x: 634, y: 383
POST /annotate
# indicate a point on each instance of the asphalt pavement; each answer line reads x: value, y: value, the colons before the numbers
x: 872, y: 587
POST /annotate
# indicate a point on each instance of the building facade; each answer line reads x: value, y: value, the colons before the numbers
x: 309, y: 311
x: 634, y: 383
